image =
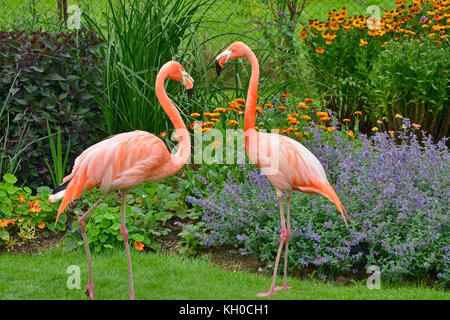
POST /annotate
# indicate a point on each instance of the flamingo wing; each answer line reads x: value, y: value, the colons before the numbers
x: 122, y: 161
x: 300, y: 170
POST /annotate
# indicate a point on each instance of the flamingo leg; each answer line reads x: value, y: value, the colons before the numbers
x: 124, y: 232
x: 282, y: 239
x: 82, y: 225
x: 286, y: 247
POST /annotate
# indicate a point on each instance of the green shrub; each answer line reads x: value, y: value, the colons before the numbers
x: 149, y: 207
x: 396, y: 65
x: 22, y: 213
x: 411, y: 78
x: 54, y: 74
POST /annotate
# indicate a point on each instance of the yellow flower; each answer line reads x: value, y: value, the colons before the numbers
x: 351, y: 134
x: 215, y: 119
x: 305, y: 117
x: 233, y: 122
x: 195, y: 115
x: 362, y: 42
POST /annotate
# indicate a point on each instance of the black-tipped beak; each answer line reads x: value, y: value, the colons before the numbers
x: 218, y: 68
x: 190, y: 93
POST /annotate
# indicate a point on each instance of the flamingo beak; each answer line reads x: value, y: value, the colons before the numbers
x: 189, y: 84
x: 219, y: 60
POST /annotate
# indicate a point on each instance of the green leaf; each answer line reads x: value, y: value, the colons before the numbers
x: 138, y: 237
x: 4, y: 235
x: 10, y: 178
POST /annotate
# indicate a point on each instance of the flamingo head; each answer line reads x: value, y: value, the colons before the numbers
x: 234, y: 51
x: 178, y: 73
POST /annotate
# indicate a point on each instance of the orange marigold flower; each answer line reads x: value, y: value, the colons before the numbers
x: 391, y: 133
x: 259, y: 110
x: 346, y: 120
x: 233, y: 122
x: 362, y: 42
x: 351, y: 134
x: 322, y: 114
x: 240, y: 100
x: 3, y: 223
x: 195, y: 115
x: 415, y: 126
x: 220, y: 110
x: 324, y: 119
x: 330, y: 129
x: 309, y: 100
x: 379, y: 121
x: 294, y: 122
x: 281, y: 108
x: 302, y: 106
x: 34, y: 207
x: 41, y: 225
x: 358, y: 112
x: 139, y: 245
x: 268, y: 105
x: 286, y: 95
x: 399, y: 116
x: 320, y: 50
x: 305, y: 117
x: 206, y: 129
x: 215, y: 119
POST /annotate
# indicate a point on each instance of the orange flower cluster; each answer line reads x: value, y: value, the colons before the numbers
x: 422, y: 18
x: 4, y: 223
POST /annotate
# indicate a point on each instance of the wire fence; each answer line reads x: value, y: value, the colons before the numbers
x: 229, y: 15
x: 226, y: 21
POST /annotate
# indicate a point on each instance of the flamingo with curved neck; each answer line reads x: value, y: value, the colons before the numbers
x: 125, y: 161
x: 288, y: 165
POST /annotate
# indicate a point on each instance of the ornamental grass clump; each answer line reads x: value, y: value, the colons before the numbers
x: 395, y: 188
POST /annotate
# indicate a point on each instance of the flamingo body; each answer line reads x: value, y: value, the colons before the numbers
x: 122, y: 161
x: 288, y: 165
x: 126, y: 160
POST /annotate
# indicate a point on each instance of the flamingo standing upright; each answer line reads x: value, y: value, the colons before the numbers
x: 286, y: 162
x: 126, y: 160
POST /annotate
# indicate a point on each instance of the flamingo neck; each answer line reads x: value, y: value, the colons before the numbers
x: 252, y: 94
x: 184, y: 151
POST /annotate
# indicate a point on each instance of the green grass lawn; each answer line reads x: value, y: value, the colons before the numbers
x: 158, y: 276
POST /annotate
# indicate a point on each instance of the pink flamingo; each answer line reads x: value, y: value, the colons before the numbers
x: 286, y: 162
x: 126, y: 160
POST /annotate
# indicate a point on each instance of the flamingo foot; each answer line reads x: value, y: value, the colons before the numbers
x: 284, y: 287
x: 90, y: 291
x: 132, y: 297
x: 266, y: 294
